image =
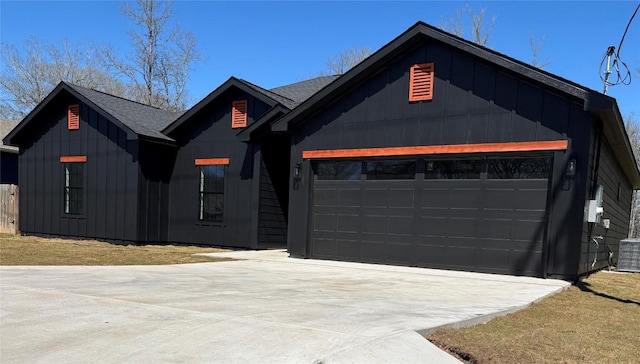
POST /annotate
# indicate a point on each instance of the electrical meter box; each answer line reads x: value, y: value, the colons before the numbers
x: 594, y: 210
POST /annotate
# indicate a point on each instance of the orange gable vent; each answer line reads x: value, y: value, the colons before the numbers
x: 239, y: 114
x: 73, y: 117
x: 421, y: 82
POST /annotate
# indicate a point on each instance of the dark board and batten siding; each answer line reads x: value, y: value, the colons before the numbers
x: 156, y: 165
x: 617, y: 207
x: 208, y: 134
x: 110, y: 176
x: 473, y: 102
x: 272, y: 224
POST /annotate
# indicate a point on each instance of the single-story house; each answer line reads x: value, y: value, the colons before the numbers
x: 97, y: 166
x: 232, y: 190
x: 8, y: 155
x: 432, y: 152
x: 88, y: 166
x: 437, y: 152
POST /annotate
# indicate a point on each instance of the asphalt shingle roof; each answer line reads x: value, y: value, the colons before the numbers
x: 141, y: 119
x: 300, y: 91
x: 272, y: 95
x: 150, y: 121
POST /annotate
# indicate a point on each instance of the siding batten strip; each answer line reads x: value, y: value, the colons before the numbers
x: 438, y: 149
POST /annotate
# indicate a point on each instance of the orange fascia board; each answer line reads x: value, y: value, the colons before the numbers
x: 438, y: 149
x: 73, y: 159
x: 212, y: 162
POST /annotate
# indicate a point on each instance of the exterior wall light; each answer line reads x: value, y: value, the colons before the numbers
x: 297, y: 171
x: 297, y: 175
x: 571, y: 168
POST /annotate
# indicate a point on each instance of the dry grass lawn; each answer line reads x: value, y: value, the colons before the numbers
x: 594, y: 321
x: 28, y: 250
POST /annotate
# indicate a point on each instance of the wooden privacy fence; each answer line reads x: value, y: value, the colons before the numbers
x: 9, y: 209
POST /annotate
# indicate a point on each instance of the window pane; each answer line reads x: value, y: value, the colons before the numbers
x: 345, y: 171
x: 213, y: 171
x: 391, y: 170
x: 211, y: 193
x: 453, y: 169
x: 75, y: 200
x: 538, y: 168
x: 212, y: 207
x: 73, y: 188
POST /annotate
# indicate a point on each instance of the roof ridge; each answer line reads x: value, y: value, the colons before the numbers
x: 140, y: 118
x: 505, y: 56
x: 264, y: 89
x: 303, y: 81
x: 119, y: 97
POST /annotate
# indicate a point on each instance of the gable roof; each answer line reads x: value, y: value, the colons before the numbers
x: 412, y: 36
x: 282, y: 98
x: 139, y: 119
x: 5, y: 127
x: 603, y: 106
x: 300, y: 91
x: 297, y: 92
x: 266, y: 96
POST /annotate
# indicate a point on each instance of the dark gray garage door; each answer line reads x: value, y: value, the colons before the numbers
x: 486, y: 215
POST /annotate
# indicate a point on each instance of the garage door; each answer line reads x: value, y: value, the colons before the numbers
x: 486, y: 215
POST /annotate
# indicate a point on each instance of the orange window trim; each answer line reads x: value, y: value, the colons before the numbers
x: 212, y: 162
x: 239, y: 114
x: 73, y: 159
x: 438, y: 149
x: 421, y: 82
x: 73, y: 117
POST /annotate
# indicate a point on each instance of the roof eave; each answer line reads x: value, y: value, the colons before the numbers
x: 405, y: 41
x: 231, y: 82
x: 8, y: 149
x: 273, y: 114
x: 148, y: 138
x: 9, y: 139
x: 616, y: 134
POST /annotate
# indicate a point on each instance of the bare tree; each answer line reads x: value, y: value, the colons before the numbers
x: 536, y: 47
x: 454, y: 23
x: 30, y: 73
x: 160, y: 63
x: 345, y: 60
x: 481, y: 25
x: 633, y: 131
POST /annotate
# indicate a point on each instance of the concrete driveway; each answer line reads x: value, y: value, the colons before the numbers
x: 265, y: 309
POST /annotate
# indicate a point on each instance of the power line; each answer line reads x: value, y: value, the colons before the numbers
x: 627, y: 28
x: 617, y: 61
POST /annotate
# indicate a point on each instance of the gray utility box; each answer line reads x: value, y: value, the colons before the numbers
x: 629, y: 255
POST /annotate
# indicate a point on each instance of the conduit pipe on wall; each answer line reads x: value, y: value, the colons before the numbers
x: 594, y: 189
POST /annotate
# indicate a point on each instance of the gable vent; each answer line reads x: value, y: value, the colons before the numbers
x: 421, y: 82
x: 239, y: 114
x: 73, y: 117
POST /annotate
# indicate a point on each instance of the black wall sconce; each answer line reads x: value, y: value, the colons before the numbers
x: 572, y: 167
x: 297, y: 175
x: 297, y: 171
